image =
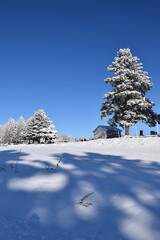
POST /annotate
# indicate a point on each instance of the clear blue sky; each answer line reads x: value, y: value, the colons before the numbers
x: 54, y: 55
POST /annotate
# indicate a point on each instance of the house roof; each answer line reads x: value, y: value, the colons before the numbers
x: 108, y: 128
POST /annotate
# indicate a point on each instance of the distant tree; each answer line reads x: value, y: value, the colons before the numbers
x: 65, y: 138
x: 20, y: 130
x: 1, y: 134
x: 126, y: 102
x: 9, y: 132
x: 29, y: 129
x: 39, y: 127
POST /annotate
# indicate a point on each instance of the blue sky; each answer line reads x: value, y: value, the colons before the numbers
x: 54, y: 56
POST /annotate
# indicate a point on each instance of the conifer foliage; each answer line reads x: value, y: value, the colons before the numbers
x: 9, y: 132
x: 126, y: 102
x: 20, y: 130
x: 39, y: 128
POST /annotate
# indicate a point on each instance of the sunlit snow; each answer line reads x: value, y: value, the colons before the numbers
x: 95, y: 190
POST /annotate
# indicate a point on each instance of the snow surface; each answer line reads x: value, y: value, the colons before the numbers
x: 102, y: 189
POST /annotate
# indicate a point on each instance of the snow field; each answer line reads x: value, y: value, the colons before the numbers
x: 100, y: 189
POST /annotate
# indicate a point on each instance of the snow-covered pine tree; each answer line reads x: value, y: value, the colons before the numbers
x: 1, y: 134
x: 48, y: 135
x: 39, y: 126
x: 20, y: 130
x: 9, y: 132
x: 29, y: 135
x: 126, y: 102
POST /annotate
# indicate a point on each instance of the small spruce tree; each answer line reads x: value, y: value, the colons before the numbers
x: 126, y: 102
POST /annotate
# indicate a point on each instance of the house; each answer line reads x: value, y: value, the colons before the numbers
x: 106, y: 132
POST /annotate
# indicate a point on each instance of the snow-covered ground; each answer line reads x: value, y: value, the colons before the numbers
x: 102, y: 189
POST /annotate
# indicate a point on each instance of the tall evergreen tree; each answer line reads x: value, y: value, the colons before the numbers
x: 10, y: 132
x: 29, y: 135
x: 20, y: 130
x: 1, y: 134
x: 126, y: 102
x: 38, y: 126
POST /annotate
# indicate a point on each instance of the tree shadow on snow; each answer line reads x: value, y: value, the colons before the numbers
x: 89, y: 196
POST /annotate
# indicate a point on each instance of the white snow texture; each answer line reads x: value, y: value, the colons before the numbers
x: 102, y: 189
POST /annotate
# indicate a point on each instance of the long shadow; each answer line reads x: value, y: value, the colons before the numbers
x: 123, y: 197
x: 126, y: 194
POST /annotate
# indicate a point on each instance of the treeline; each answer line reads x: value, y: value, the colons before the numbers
x: 37, y: 129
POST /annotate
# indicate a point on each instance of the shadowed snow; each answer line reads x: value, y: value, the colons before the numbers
x: 97, y: 190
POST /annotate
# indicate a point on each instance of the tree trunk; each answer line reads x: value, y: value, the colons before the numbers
x: 127, y: 130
